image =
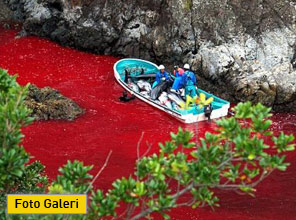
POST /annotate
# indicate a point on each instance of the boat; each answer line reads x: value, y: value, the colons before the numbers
x: 136, y: 76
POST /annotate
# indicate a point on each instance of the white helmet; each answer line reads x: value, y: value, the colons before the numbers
x: 161, y: 67
x: 186, y: 66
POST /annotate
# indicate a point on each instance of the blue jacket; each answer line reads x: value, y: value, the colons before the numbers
x: 189, y: 78
x: 160, y: 75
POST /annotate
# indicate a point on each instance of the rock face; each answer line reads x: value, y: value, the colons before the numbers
x: 5, y: 13
x: 244, y: 50
x: 48, y: 104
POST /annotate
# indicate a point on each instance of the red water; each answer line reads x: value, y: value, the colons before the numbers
x: 111, y: 125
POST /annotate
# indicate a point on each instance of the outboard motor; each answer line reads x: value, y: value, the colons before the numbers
x: 208, y: 111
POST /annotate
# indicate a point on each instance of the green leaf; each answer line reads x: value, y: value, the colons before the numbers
x: 290, y: 147
x: 17, y: 172
x: 165, y: 216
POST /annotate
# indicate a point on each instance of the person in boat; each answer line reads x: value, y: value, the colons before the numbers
x: 161, y: 76
x: 178, y: 71
x: 189, y: 81
x: 178, y: 82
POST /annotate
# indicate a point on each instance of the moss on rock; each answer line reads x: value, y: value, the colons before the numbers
x: 48, y: 103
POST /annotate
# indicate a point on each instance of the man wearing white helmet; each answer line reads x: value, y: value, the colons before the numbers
x: 162, y: 75
x: 189, y: 81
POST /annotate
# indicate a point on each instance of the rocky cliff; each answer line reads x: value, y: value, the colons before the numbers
x: 5, y: 13
x: 244, y: 50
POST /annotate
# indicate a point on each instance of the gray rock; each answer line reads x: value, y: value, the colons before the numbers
x: 5, y: 13
x: 242, y: 50
x: 254, y: 83
x: 216, y: 61
x: 285, y: 78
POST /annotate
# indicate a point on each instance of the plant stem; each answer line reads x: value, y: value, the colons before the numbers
x: 99, y: 173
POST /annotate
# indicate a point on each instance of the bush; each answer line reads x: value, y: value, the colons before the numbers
x: 16, y: 175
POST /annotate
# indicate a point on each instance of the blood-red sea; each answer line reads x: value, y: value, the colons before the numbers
x: 109, y: 124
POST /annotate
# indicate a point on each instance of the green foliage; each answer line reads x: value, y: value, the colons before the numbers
x: 7, y: 82
x: 74, y: 179
x: 16, y: 175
